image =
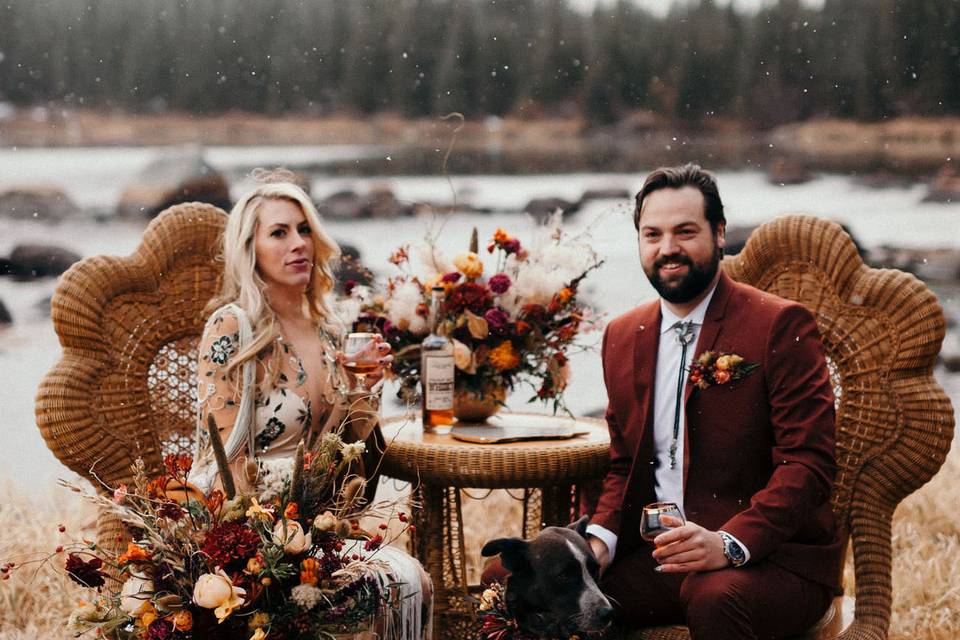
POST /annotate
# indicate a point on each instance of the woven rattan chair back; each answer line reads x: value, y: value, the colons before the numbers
x: 882, y: 330
x: 125, y: 386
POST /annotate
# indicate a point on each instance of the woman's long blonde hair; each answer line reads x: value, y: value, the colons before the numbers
x: 243, y: 285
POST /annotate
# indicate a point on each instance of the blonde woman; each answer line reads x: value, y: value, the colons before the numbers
x: 269, y: 372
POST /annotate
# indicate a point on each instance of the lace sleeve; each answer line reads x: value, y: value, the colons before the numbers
x: 218, y: 393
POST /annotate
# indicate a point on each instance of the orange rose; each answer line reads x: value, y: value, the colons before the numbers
x: 722, y: 377
x: 504, y: 357
x: 182, y: 620
x: 134, y: 553
x: 292, y: 512
x: 309, y: 571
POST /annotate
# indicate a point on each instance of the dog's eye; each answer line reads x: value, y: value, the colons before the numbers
x: 569, y: 574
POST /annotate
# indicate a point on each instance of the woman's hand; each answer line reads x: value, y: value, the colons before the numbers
x: 376, y: 351
x: 687, y: 548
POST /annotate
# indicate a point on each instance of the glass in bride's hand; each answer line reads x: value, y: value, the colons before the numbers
x: 651, y: 524
x: 361, y: 357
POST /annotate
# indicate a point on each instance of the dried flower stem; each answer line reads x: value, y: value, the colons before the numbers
x: 223, y: 465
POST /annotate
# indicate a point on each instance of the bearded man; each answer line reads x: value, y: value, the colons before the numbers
x: 719, y: 401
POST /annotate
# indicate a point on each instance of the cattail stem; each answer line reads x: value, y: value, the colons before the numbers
x: 296, y: 481
x: 223, y: 465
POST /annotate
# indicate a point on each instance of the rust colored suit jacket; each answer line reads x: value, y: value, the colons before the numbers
x: 759, y: 452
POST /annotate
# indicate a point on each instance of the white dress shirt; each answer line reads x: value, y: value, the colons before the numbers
x: 668, y: 483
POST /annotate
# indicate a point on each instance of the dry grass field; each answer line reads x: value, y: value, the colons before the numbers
x: 35, y: 601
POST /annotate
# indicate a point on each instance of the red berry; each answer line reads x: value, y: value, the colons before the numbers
x: 383, y: 527
x: 59, y: 548
x: 402, y: 517
x: 411, y: 528
x: 62, y: 528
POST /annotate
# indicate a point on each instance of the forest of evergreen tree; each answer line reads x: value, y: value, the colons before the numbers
x: 703, y: 61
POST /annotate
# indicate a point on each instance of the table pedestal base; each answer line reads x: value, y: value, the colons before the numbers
x: 439, y: 542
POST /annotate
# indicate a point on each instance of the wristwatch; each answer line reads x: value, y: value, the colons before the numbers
x: 732, y: 550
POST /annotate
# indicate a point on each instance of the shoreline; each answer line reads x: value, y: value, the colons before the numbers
x: 913, y: 147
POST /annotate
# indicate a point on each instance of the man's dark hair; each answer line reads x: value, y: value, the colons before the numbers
x: 689, y: 175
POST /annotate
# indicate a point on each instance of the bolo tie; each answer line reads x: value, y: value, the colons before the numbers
x: 684, y: 333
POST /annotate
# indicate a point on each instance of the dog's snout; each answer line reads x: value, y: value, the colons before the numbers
x: 604, y: 614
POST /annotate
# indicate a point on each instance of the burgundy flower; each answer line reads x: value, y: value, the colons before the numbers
x: 511, y: 246
x: 230, y: 542
x: 85, y: 572
x: 348, y: 286
x: 451, y: 277
x: 170, y: 510
x: 534, y: 312
x: 496, y: 318
x: 160, y: 629
x: 469, y: 295
x: 499, y: 283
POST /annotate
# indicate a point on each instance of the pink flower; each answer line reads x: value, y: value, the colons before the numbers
x: 499, y: 283
x: 496, y: 318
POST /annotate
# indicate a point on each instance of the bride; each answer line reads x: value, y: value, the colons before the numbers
x: 269, y: 371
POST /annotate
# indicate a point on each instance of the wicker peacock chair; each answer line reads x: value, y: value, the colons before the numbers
x: 125, y: 386
x: 882, y: 330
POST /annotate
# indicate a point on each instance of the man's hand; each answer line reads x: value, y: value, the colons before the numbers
x: 688, y: 548
x: 600, y: 551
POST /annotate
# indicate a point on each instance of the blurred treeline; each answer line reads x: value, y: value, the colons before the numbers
x: 865, y: 59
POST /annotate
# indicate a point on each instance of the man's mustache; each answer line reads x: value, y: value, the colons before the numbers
x: 681, y: 259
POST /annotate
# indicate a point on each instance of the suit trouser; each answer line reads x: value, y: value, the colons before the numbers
x: 756, y: 601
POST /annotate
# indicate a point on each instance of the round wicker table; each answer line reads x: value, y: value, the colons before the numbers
x: 551, y: 473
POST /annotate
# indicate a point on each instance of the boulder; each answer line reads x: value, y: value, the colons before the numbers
x: 5, y: 317
x: 38, y: 261
x: 542, y: 208
x: 945, y: 186
x: 45, y: 203
x: 786, y: 171
x: 612, y: 193
x: 736, y: 238
x: 379, y: 202
x: 177, y: 175
x: 950, y: 352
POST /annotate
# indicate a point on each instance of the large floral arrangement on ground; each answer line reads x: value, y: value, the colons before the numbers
x: 515, y: 318
x: 286, y: 561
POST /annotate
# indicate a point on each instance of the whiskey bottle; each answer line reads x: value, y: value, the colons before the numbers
x: 436, y: 370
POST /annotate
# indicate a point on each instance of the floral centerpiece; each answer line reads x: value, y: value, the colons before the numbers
x: 516, y: 318
x: 240, y: 567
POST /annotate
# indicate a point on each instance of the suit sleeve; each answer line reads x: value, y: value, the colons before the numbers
x: 607, y: 514
x: 803, y: 422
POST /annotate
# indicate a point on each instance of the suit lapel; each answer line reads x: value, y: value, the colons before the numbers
x: 645, y: 347
x: 709, y: 333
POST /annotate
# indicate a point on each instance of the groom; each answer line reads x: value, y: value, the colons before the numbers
x: 743, y: 443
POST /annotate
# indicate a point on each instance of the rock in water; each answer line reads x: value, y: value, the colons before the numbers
x: 38, y: 261
x: 542, y: 208
x: 945, y: 186
x: 46, y: 203
x: 178, y: 175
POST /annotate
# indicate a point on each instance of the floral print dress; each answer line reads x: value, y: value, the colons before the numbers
x: 282, y: 415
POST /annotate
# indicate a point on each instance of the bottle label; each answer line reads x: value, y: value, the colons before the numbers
x: 438, y: 382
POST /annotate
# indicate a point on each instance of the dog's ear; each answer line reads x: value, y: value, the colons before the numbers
x: 513, y: 552
x: 580, y: 526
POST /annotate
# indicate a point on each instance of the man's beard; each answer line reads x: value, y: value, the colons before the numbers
x: 698, y: 278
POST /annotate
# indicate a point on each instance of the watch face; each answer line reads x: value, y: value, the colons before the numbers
x: 733, y: 551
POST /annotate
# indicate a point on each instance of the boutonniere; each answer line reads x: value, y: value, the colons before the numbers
x: 713, y: 368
